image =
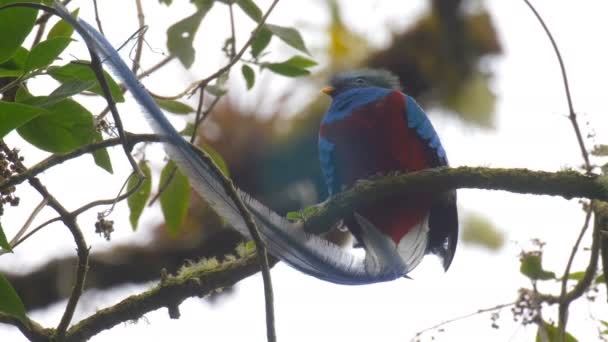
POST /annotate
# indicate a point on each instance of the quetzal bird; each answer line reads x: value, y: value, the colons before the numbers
x: 286, y: 240
x: 373, y: 128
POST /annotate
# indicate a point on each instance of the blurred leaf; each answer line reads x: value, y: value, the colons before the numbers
x: 251, y: 9
x: 346, y: 48
x: 219, y: 88
x: 293, y: 67
x: 10, y: 303
x: 600, y: 150
x: 188, y: 131
x: 600, y: 279
x: 175, y: 107
x: 479, y: 230
x: 474, y: 100
x: 14, y: 115
x: 260, y: 42
x: 175, y: 199
x: 552, y: 334
x: 15, y: 26
x: 45, y: 52
x: 249, y: 75
x: 102, y: 157
x: 181, y: 34
x: 15, y: 66
x: 290, y: 36
x: 531, y: 267
x: 575, y: 275
x: 3, y: 241
x: 67, y: 125
x: 83, y: 72
x: 137, y: 201
x: 62, y: 28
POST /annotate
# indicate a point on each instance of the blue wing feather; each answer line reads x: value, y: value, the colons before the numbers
x: 417, y: 120
x: 328, y: 165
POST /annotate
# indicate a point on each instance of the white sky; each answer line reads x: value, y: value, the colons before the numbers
x: 532, y: 132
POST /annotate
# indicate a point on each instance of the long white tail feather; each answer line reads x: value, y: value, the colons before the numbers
x: 286, y: 241
x: 412, y: 246
x: 384, y: 254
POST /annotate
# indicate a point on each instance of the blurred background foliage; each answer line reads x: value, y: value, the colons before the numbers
x: 440, y: 60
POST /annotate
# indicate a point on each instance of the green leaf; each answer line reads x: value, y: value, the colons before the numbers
x: 294, y: 216
x: 3, y: 241
x: 302, y: 214
x: 102, y: 157
x: 531, y: 267
x: 15, y: 66
x: 575, y: 275
x: 137, y: 201
x: 64, y: 91
x: 14, y: 115
x: 600, y: 279
x: 175, y: 107
x: 181, y: 34
x: 478, y: 230
x: 10, y: 303
x: 260, y: 42
x: 66, y: 126
x: 249, y: 75
x: 175, y: 199
x: 290, y: 36
x: 251, y: 9
x: 217, y: 159
x: 62, y: 28
x: 45, y: 52
x: 293, y: 67
x: 215, y: 156
x: 83, y: 72
x: 15, y: 26
x: 552, y: 334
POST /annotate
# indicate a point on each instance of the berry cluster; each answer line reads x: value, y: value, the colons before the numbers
x: 9, y: 166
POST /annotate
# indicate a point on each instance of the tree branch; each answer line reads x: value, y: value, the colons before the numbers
x: 197, y: 280
x: 60, y: 158
x: 567, y: 184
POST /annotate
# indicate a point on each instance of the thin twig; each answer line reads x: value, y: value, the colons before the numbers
x: 565, y: 302
x: 563, y: 307
x: 97, y: 19
x: 572, y: 115
x: 141, y: 19
x: 14, y: 241
x: 232, y: 32
x: 262, y: 256
x: 459, y: 318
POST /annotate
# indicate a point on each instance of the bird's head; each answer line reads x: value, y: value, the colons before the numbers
x: 363, y: 78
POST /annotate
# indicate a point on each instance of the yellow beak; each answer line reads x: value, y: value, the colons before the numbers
x: 327, y: 90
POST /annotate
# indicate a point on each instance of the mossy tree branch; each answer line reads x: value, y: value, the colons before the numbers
x: 567, y: 184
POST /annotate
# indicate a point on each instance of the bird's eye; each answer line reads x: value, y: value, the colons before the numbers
x: 360, y: 81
